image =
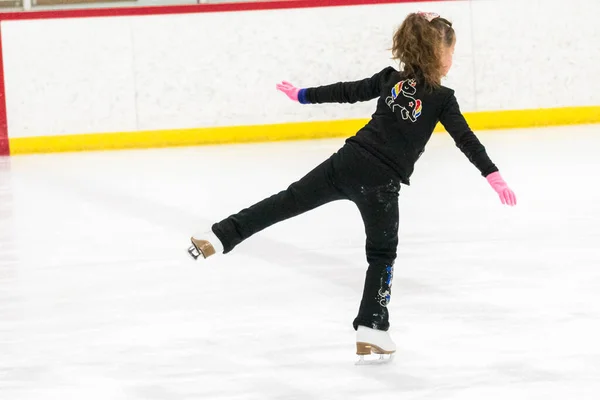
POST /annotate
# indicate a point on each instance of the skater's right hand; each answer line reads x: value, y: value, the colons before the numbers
x: 290, y: 90
x: 507, y: 196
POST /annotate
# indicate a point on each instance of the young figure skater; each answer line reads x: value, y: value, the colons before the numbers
x: 371, y: 165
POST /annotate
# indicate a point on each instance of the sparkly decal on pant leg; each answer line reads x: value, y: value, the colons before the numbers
x: 385, y: 290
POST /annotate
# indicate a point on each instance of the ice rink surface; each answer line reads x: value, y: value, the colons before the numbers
x: 98, y: 299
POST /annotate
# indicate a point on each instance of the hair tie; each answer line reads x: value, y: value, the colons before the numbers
x: 429, y: 16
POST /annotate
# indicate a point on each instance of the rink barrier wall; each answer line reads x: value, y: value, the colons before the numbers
x: 290, y: 131
x: 137, y: 81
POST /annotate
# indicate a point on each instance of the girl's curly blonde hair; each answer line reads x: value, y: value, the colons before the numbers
x: 418, y: 45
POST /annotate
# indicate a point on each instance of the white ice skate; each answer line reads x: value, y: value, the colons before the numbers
x: 372, y: 341
x: 205, y: 247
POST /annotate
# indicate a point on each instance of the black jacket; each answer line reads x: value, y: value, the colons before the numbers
x: 404, y: 119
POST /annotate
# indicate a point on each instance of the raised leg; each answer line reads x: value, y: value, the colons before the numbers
x: 313, y: 190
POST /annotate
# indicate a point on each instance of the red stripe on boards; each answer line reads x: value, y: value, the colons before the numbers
x: 4, y: 147
x: 194, y: 8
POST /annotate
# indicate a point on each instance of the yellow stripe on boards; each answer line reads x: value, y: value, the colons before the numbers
x: 291, y: 131
x: 535, y: 118
x: 185, y: 137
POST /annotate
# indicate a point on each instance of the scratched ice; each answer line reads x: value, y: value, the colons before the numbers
x: 98, y: 299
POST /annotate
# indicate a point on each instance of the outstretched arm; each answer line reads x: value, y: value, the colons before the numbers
x: 340, y: 92
x: 469, y: 144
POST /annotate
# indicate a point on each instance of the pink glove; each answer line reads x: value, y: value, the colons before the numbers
x: 290, y: 90
x: 507, y: 196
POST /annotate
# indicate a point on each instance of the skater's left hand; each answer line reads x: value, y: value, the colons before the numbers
x: 290, y: 90
x: 507, y: 196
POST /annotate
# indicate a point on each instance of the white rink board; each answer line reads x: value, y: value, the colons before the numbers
x: 536, y: 53
x: 111, y: 74
x: 64, y: 76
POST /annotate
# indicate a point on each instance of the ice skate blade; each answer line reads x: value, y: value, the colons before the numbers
x: 381, y: 360
x: 193, y: 252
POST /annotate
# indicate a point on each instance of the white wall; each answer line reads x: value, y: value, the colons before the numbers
x: 536, y: 53
x: 198, y: 70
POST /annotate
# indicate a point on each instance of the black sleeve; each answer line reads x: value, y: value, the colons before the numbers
x: 463, y: 136
x: 345, y: 92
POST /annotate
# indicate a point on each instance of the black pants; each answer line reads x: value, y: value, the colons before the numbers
x: 349, y: 174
